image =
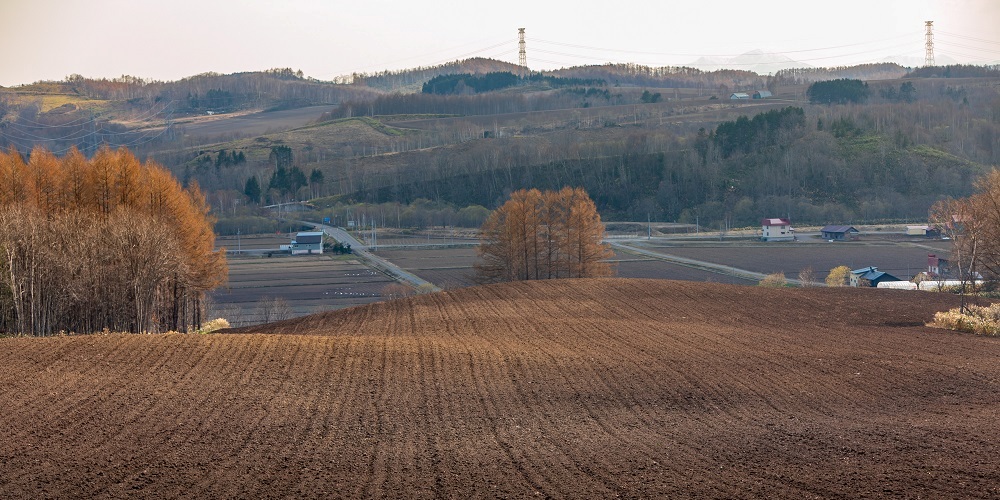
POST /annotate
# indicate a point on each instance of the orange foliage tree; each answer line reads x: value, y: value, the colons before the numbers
x: 543, y: 235
x: 106, y: 243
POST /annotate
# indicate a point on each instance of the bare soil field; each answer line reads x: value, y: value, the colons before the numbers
x: 254, y: 123
x: 637, y: 267
x: 902, y: 259
x: 451, y: 268
x: 308, y: 284
x: 445, y: 267
x: 254, y: 241
x: 563, y: 389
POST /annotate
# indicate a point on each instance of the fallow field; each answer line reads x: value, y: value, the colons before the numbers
x: 306, y: 284
x: 568, y: 389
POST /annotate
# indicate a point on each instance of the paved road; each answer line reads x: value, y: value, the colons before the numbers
x: 361, y: 251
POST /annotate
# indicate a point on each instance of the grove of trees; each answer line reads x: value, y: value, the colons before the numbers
x: 973, y: 223
x: 543, y: 235
x: 841, y: 91
x: 108, y: 243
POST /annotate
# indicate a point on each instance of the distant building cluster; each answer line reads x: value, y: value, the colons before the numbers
x: 759, y: 94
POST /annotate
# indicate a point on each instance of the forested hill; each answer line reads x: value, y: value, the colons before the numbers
x: 411, y: 80
x: 887, y: 158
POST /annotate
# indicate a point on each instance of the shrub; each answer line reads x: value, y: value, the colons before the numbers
x: 978, y: 320
x: 807, y: 277
x: 774, y: 280
x: 214, y: 325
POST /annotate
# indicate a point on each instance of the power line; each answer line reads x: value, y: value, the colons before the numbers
x: 681, y: 54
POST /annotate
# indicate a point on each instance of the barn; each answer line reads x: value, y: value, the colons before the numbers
x: 761, y: 94
x: 870, y: 276
x: 307, y: 243
x: 839, y: 233
x: 739, y: 96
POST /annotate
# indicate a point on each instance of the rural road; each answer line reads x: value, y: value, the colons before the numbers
x: 360, y: 250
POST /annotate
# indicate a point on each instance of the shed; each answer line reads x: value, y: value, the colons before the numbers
x: 870, y: 276
x: 739, y: 96
x: 776, y: 230
x: 839, y: 233
x: 762, y: 94
x: 307, y: 243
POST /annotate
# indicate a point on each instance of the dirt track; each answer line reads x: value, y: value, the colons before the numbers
x: 582, y: 388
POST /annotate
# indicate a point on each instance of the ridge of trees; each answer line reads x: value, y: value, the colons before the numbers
x: 108, y: 243
x: 543, y: 235
x: 957, y: 71
x: 871, y: 71
x: 462, y: 83
x: 394, y: 81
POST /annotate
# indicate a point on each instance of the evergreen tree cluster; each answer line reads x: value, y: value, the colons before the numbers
x: 906, y: 93
x: 229, y: 159
x: 648, y: 97
x: 287, y: 180
x: 746, y: 135
x: 463, y: 83
x: 214, y: 99
x: 840, y: 91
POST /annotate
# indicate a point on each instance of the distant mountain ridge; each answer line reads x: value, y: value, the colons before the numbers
x: 757, y: 61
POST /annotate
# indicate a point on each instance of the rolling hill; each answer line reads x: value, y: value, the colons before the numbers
x: 577, y: 388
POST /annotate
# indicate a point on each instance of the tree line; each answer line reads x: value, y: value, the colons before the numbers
x: 108, y: 243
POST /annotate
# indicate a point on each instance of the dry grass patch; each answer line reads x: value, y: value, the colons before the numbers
x: 979, y: 320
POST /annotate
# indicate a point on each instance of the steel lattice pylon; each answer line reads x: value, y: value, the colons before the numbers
x: 929, y: 44
x: 522, y: 56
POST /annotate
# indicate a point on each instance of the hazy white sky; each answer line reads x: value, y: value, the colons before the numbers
x: 168, y: 40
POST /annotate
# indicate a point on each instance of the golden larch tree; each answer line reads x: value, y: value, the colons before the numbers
x: 543, y: 235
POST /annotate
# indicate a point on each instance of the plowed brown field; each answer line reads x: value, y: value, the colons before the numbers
x: 577, y: 388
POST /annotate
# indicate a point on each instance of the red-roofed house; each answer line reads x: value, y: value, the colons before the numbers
x: 777, y: 230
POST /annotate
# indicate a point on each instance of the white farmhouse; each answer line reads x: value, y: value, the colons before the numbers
x: 776, y: 230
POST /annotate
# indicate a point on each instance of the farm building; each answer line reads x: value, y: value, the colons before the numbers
x: 839, y: 233
x: 762, y: 94
x: 307, y: 243
x: 739, y: 96
x: 924, y: 230
x: 937, y: 266
x: 777, y: 230
x: 897, y: 285
x: 870, y: 276
x: 947, y: 285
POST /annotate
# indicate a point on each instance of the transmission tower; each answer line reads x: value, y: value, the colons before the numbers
x: 522, y: 56
x: 929, y: 44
